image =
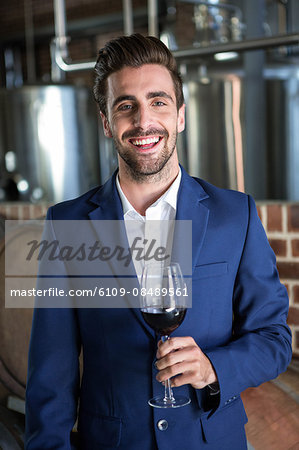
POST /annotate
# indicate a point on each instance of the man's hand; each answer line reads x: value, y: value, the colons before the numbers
x: 180, y: 359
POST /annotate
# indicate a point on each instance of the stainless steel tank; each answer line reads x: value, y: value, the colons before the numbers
x: 49, y: 142
x: 213, y: 144
x: 242, y: 132
x: 282, y: 85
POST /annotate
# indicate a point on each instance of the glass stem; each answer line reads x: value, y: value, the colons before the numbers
x: 168, y: 394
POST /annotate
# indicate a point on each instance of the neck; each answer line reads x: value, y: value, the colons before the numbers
x: 143, y: 194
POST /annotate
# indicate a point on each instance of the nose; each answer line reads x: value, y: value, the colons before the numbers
x: 142, y: 117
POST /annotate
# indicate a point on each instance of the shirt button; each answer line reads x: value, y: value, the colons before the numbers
x: 162, y: 425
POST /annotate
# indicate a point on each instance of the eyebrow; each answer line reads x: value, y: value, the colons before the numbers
x: 150, y: 95
x: 159, y: 94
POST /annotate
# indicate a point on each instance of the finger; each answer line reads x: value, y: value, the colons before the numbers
x: 188, y: 378
x: 198, y: 373
x: 173, y: 344
x: 184, y: 354
x: 173, y: 371
x: 183, y: 373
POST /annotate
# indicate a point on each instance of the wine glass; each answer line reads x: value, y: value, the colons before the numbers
x: 163, y: 307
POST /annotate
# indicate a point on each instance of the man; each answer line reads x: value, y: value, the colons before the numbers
x: 234, y: 336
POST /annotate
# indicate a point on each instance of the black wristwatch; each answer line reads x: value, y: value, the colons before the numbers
x: 214, y: 388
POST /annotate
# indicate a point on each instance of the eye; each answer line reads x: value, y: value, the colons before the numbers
x: 125, y: 107
x: 159, y: 103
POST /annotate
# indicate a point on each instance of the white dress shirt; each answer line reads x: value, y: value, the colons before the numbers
x: 156, y: 226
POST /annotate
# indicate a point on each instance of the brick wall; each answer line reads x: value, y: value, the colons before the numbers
x: 23, y: 211
x: 281, y: 222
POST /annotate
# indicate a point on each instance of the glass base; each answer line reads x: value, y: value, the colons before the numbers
x: 177, y: 402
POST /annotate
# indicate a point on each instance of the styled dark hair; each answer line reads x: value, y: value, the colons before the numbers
x: 133, y: 51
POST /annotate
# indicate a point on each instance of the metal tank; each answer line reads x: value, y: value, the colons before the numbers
x: 213, y: 144
x: 49, y: 142
x: 282, y: 133
x: 236, y: 146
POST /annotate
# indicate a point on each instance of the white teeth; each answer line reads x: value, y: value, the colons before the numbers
x: 145, y: 141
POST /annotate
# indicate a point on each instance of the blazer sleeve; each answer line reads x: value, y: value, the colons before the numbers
x: 53, y: 376
x: 260, y: 348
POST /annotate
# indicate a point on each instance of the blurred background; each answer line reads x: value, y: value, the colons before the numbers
x: 239, y: 60
x: 49, y: 125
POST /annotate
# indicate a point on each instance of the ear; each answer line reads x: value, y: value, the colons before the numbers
x: 181, y: 118
x: 106, y: 126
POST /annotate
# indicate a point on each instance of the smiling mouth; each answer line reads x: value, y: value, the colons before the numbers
x: 146, y: 143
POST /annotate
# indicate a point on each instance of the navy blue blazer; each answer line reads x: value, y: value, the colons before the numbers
x: 238, y: 318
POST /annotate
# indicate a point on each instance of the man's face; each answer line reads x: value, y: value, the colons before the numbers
x: 142, y: 118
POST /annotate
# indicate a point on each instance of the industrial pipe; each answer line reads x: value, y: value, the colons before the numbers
x: 153, y: 18
x: 72, y: 67
x: 239, y: 46
x: 128, y: 17
x: 60, y: 51
x: 61, y: 38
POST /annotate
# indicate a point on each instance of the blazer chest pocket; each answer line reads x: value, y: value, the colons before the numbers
x: 210, y: 270
x: 98, y: 431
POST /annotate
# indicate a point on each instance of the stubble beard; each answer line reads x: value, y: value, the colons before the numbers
x: 147, y: 168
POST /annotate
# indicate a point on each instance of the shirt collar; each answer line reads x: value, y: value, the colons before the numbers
x: 170, y: 196
x: 127, y: 207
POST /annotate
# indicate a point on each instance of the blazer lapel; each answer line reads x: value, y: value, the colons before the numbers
x: 109, y: 208
x: 190, y: 207
x: 108, y: 225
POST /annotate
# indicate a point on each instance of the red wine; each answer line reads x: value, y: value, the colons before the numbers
x: 164, y: 321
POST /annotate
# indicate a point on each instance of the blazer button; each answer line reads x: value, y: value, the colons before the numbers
x: 162, y: 425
